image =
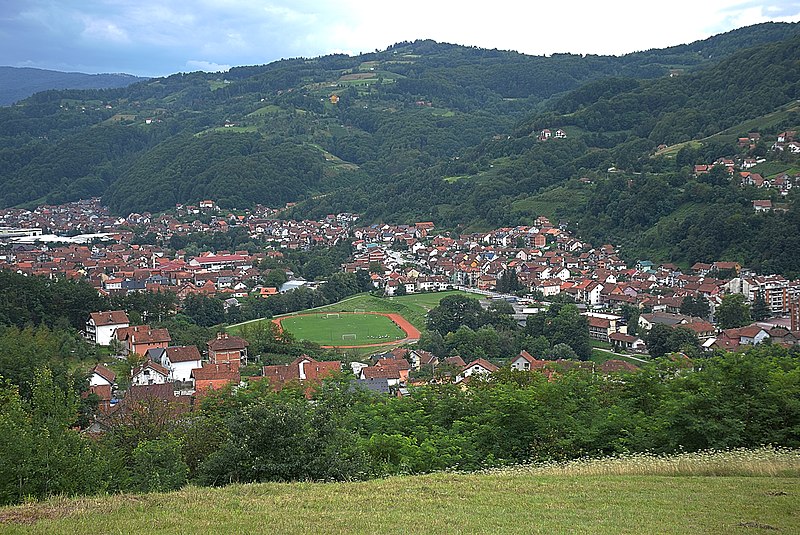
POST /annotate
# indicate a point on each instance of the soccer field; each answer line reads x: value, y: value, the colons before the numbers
x: 344, y: 330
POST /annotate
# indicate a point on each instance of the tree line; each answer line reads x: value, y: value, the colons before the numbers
x: 253, y: 434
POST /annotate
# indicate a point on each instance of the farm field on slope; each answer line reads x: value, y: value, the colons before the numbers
x: 505, y: 502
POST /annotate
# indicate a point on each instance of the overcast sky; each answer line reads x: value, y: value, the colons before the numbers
x: 161, y: 37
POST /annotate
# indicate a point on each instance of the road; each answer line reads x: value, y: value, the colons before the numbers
x: 637, y: 359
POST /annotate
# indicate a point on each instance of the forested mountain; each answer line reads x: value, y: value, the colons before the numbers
x: 426, y: 130
x: 17, y: 83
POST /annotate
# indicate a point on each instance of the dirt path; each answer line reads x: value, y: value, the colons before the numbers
x: 412, y: 333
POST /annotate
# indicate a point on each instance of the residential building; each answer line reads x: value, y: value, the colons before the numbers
x: 101, y: 325
x: 150, y: 373
x: 302, y: 370
x: 478, y: 367
x: 227, y: 349
x: 180, y: 361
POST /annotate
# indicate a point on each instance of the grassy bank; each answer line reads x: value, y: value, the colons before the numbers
x: 543, y: 499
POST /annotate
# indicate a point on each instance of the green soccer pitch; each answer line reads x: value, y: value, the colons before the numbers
x: 344, y: 330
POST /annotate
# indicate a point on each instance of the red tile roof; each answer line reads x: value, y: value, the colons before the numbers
x: 484, y: 364
x: 151, y: 336
x: 109, y: 317
x: 183, y: 353
x: 153, y: 366
x: 312, y: 370
x: 212, y: 372
x: 224, y: 341
x: 105, y: 373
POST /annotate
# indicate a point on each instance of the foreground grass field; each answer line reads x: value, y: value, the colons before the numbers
x: 346, y: 329
x: 441, y: 503
x: 666, y: 495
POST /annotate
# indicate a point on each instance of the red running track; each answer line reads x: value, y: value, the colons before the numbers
x: 412, y: 333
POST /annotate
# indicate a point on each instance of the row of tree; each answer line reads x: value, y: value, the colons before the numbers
x: 460, y: 326
x: 254, y: 434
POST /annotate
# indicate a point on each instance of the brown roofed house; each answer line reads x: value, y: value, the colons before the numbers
x: 214, y: 376
x: 180, y: 361
x: 140, y: 341
x: 149, y: 373
x: 101, y: 325
x: 303, y: 370
x: 227, y: 349
x: 477, y: 367
x: 101, y: 383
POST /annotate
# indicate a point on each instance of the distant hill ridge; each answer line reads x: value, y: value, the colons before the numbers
x: 17, y: 83
x: 427, y: 131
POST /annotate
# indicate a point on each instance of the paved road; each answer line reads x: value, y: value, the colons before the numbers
x: 637, y: 359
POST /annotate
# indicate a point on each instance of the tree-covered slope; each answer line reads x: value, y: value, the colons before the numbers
x: 431, y: 131
x: 228, y: 167
x: 612, y: 122
x: 748, y: 84
x: 405, y: 117
x: 17, y: 83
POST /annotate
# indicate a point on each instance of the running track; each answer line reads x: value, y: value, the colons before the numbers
x: 412, y: 333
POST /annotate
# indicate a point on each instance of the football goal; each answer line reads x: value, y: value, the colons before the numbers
x: 332, y: 315
x: 349, y: 336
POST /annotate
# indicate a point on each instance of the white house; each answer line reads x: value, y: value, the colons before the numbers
x: 626, y: 341
x: 592, y: 293
x: 476, y: 367
x: 101, y: 325
x: 102, y: 376
x: 150, y: 373
x: 357, y: 367
x: 560, y: 273
x: 525, y: 362
x: 102, y: 382
x: 180, y: 361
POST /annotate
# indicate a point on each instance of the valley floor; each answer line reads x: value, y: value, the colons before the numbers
x: 502, y: 502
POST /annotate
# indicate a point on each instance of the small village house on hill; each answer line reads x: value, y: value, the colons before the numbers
x: 102, y: 382
x: 180, y: 361
x: 141, y: 338
x: 101, y: 326
x: 150, y: 373
x: 227, y: 349
x: 214, y: 377
x: 303, y: 370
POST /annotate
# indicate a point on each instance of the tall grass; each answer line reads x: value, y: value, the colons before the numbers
x: 766, y: 461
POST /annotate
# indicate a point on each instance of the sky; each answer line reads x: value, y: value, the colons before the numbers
x: 162, y: 37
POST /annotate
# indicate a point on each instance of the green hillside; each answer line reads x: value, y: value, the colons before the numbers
x: 405, y: 117
x: 441, y: 132
x: 504, y: 502
x: 17, y: 83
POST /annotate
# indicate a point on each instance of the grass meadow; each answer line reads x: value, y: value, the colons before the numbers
x: 758, y: 492
x: 346, y: 329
